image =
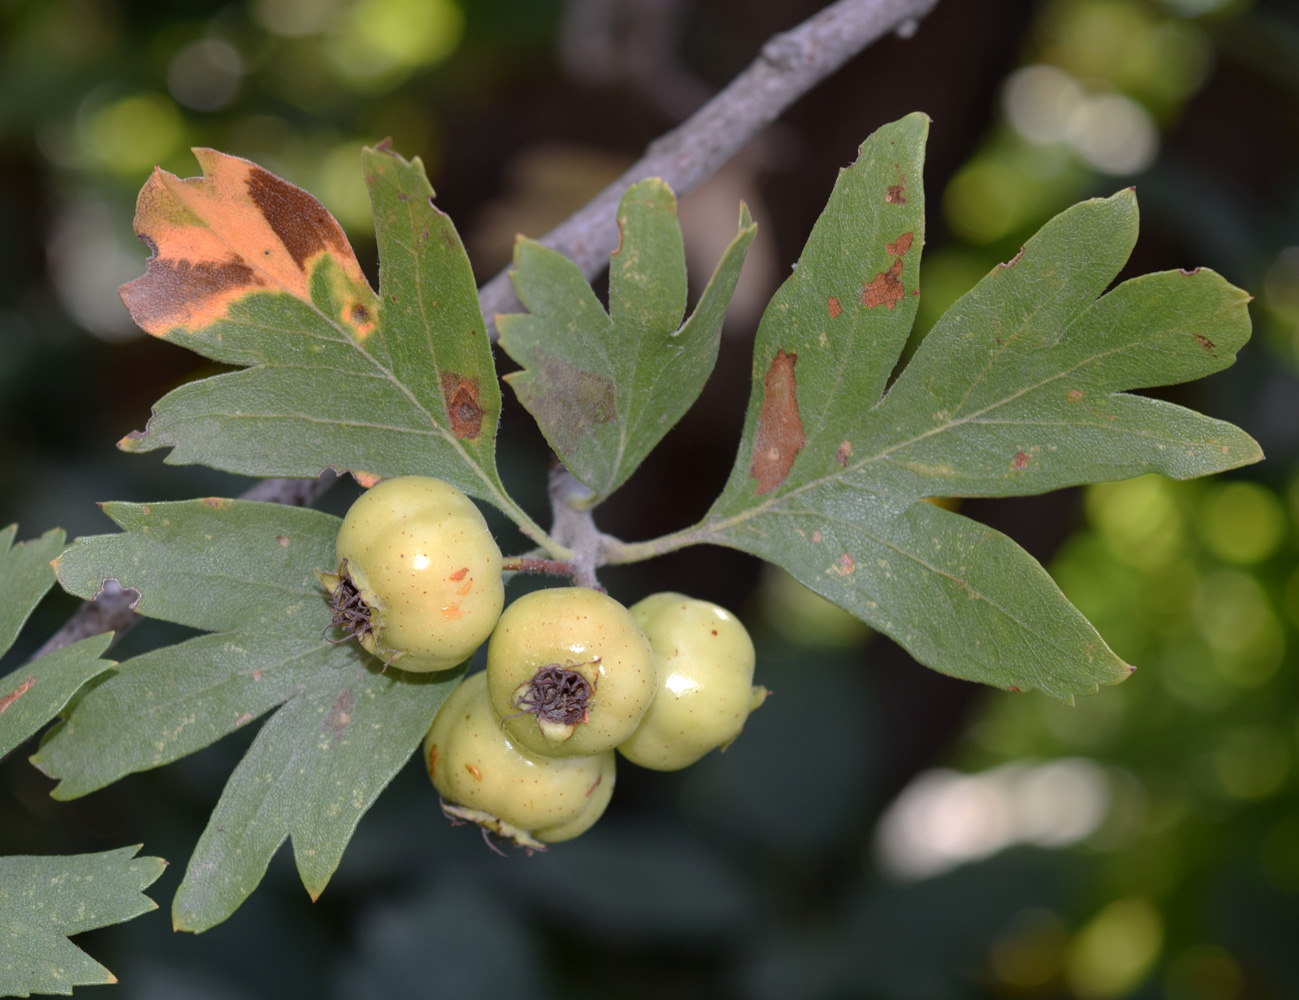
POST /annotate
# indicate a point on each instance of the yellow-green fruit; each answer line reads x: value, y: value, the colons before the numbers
x: 420, y: 556
x: 705, y: 669
x: 484, y: 777
x: 569, y: 672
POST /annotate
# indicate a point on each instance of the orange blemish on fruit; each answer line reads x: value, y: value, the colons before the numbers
x: 478, y: 775
x: 453, y: 612
x: 433, y: 760
x: 469, y: 585
x: 459, y: 574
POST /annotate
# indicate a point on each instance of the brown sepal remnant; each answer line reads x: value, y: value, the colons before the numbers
x: 836, y: 310
x: 780, y: 434
x: 885, y: 289
x: 558, y: 695
x: 7, y: 700
x: 217, y: 237
x: 463, y: 407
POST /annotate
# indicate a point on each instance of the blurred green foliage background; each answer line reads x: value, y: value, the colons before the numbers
x: 879, y: 831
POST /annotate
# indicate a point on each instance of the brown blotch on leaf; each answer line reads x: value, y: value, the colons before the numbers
x: 1190, y: 274
x: 216, y: 503
x: 1013, y: 260
x: 7, y: 700
x: 817, y: 536
x: 171, y: 292
x: 1075, y: 395
x: 780, y: 434
x: 844, y: 567
x: 283, y: 540
x: 885, y: 289
x: 1205, y: 342
x: 340, y: 716
x: 302, y: 224
x: 463, y: 407
x: 1020, y: 461
x: 832, y: 303
x: 843, y: 452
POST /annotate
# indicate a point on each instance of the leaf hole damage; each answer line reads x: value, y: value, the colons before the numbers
x: 780, y: 434
x: 463, y: 407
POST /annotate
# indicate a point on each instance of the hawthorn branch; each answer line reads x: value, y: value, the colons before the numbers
x: 789, y: 65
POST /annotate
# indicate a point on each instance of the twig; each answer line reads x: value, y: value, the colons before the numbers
x: 110, y: 610
x: 790, y: 64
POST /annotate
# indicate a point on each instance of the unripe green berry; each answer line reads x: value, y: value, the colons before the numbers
x: 483, y: 777
x: 417, y: 555
x: 569, y: 672
x: 705, y: 670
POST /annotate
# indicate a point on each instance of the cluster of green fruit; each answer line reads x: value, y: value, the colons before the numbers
x: 526, y: 748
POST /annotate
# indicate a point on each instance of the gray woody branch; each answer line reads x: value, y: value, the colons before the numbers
x: 789, y: 65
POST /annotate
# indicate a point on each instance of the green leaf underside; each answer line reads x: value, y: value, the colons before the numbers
x: 604, y: 387
x: 343, y: 727
x: 1020, y: 388
x: 25, y: 577
x: 416, y: 394
x: 44, y: 900
x: 36, y: 692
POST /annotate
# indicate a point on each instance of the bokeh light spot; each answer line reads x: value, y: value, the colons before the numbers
x: 1114, y: 952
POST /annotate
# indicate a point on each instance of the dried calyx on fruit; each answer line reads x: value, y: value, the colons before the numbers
x: 484, y: 778
x: 418, y: 582
x: 705, y: 692
x: 568, y: 672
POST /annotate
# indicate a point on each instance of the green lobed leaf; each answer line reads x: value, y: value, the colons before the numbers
x: 343, y: 727
x: 1020, y: 388
x: 251, y: 271
x: 604, y: 387
x: 25, y: 576
x: 36, y: 692
x: 44, y: 900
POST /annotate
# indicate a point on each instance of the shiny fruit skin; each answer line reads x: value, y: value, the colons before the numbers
x: 422, y: 558
x: 581, y: 630
x: 474, y: 764
x: 705, y: 668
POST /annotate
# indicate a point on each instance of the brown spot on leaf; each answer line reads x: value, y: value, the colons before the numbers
x: 6, y: 701
x: 566, y: 401
x: 897, y: 193
x: 884, y: 289
x: 817, y: 536
x: 843, y: 452
x: 780, y: 434
x: 256, y: 675
x: 1075, y: 395
x: 1191, y: 273
x: 463, y: 407
x: 283, y: 540
x: 174, y: 292
x: 899, y: 246
x: 244, y: 719
x: 1205, y: 342
x: 844, y: 567
x: 1020, y: 461
x: 340, y: 716
x: 216, y: 503
x: 832, y: 303
x: 1014, y: 690
x: 365, y: 479
x: 360, y: 319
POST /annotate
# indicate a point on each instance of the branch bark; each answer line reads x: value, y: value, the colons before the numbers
x: 789, y: 65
